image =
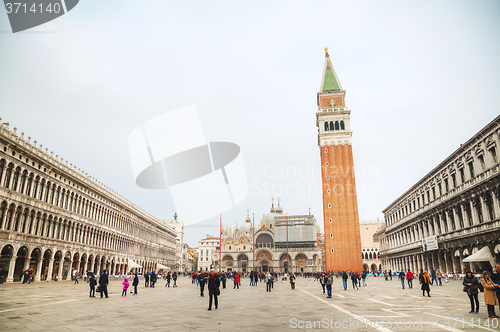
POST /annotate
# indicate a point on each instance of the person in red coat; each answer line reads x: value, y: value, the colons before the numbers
x: 409, y: 278
x: 236, y: 280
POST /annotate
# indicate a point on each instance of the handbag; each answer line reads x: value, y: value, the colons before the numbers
x: 98, y: 290
x: 217, y: 292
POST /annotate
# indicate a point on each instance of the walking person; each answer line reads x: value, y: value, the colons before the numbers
x: 495, y: 277
x: 174, y: 278
x: 103, y: 283
x: 390, y: 274
x: 236, y: 279
x: 76, y: 278
x: 268, y: 282
x: 409, y: 278
x: 92, y: 283
x: 425, y: 281
x: 329, y: 283
x: 354, y: 278
x: 402, y: 278
x: 433, y: 276
x: 344, y: 279
x: 439, y: 276
x: 471, y: 286
x: 202, y: 279
x: 490, y: 298
x: 363, y: 277
x: 223, y: 278
x: 135, y: 283
x: 168, y: 280
x: 213, y: 289
x: 292, y: 281
x: 251, y: 278
x: 125, y: 284
x: 322, y: 281
x: 146, y: 279
x: 152, y: 279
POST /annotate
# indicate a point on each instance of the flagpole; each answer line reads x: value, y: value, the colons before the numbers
x: 220, y: 244
x: 287, y: 257
x: 253, y: 240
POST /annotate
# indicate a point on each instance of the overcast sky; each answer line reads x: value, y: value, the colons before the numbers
x: 421, y: 77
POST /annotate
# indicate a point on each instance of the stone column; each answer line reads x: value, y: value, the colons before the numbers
x: 496, y: 201
x: 38, y: 269
x: 51, y: 267
x: 26, y: 263
x: 484, y: 209
x: 453, y: 261
x: 473, y: 211
x: 12, y: 266
x: 462, y: 264
x: 60, y: 270
x: 464, y: 215
x: 456, y: 221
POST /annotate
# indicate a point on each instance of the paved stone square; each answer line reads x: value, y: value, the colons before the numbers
x: 62, y: 306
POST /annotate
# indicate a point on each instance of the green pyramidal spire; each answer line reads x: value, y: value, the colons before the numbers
x: 330, y: 79
x: 330, y: 82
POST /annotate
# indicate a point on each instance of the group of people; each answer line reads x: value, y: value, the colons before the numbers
x: 489, y: 284
x: 28, y: 276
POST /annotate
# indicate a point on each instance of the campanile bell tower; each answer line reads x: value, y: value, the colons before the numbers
x: 340, y: 204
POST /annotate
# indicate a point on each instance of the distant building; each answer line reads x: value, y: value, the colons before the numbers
x: 370, y: 244
x: 206, y: 253
x: 180, y: 264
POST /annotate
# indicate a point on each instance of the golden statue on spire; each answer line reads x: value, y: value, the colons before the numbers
x: 326, y: 50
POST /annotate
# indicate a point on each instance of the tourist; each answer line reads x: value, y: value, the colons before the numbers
x: 268, y: 282
x: 292, y: 281
x: 390, y: 274
x: 439, y: 276
x: 354, y: 279
x: 26, y: 276
x: 76, y: 277
x: 363, y: 277
x: 125, y: 284
x: 402, y: 278
x: 135, y: 283
x: 495, y: 277
x: 223, y: 277
x: 88, y: 273
x: 322, y: 281
x: 146, y: 279
x: 251, y: 278
x: 174, y: 278
x: 236, y: 279
x: 152, y: 279
x: 409, y: 278
x: 213, y: 289
x: 471, y: 286
x: 490, y: 298
x: 168, y: 280
x: 425, y: 281
x: 256, y: 278
x: 344, y: 279
x: 202, y: 279
x: 92, y: 283
x: 103, y: 283
x: 433, y: 276
x: 329, y: 283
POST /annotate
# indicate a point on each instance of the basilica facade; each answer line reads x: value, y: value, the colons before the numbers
x: 54, y: 218
x: 271, y: 245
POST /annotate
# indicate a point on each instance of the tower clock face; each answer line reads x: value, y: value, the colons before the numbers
x: 330, y: 102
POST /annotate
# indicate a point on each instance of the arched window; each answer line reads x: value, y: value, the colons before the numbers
x: 326, y: 126
x: 336, y: 125
x: 342, y: 127
x: 331, y: 126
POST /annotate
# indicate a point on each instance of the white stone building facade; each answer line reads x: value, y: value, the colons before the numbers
x: 55, y: 218
x: 458, y: 202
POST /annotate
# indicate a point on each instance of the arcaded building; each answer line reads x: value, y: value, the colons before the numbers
x: 55, y: 218
x: 458, y: 203
x: 340, y: 204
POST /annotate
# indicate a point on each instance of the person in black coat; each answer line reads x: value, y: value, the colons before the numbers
x: 223, y: 278
x: 471, y: 286
x: 152, y: 279
x: 146, y: 279
x: 213, y: 289
x: 92, y: 283
x: 135, y: 283
x: 103, y: 283
x: 202, y: 278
